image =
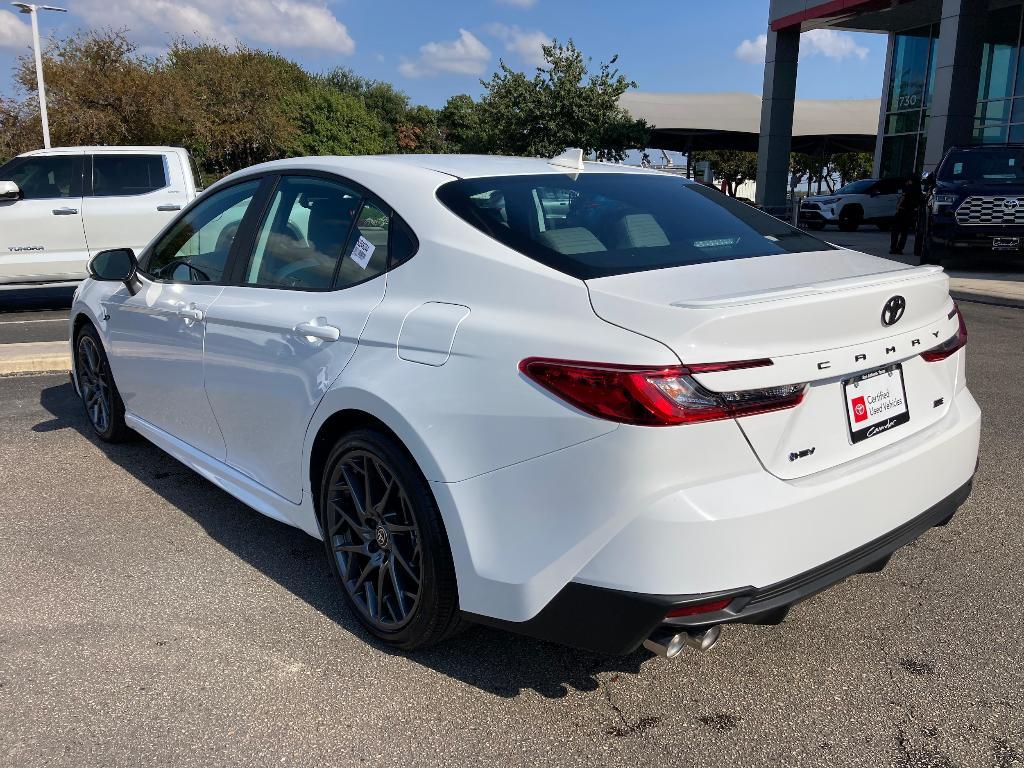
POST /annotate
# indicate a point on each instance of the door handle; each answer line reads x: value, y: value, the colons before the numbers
x: 190, y: 313
x: 168, y: 207
x: 316, y: 331
x: 65, y: 211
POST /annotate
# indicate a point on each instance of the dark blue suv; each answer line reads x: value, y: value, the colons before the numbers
x: 975, y: 203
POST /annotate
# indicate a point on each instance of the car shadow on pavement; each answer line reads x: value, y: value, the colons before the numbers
x: 497, y: 662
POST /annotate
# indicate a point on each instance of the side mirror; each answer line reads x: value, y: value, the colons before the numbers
x: 928, y: 181
x: 117, y: 265
x: 9, y: 191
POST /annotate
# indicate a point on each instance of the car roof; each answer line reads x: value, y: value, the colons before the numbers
x: 96, y: 149
x: 457, y: 166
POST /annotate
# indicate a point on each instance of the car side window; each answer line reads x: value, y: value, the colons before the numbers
x: 126, y: 175
x: 46, y: 178
x: 196, y: 248
x: 366, y: 254
x: 303, y: 235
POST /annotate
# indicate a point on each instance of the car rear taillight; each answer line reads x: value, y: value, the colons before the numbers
x: 953, y: 344
x: 655, y: 396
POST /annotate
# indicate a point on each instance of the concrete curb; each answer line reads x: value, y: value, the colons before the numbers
x: 34, y: 357
x: 986, y: 298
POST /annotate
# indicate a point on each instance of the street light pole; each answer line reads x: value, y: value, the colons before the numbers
x: 33, y: 11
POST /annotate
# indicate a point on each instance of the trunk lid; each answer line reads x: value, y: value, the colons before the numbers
x: 818, y: 317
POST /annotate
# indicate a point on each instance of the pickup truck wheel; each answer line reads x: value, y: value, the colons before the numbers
x: 850, y: 218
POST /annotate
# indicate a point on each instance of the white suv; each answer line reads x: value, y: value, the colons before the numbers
x: 60, y: 206
x: 868, y: 201
x: 586, y: 402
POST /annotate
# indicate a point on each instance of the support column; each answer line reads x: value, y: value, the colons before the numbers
x: 778, y: 97
x: 958, y: 69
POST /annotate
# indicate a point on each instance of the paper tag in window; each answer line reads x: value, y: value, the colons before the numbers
x: 362, y: 252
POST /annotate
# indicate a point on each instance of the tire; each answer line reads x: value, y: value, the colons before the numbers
x: 817, y: 226
x: 850, y: 218
x: 381, y: 552
x: 103, y: 405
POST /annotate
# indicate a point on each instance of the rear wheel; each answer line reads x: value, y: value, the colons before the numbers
x: 386, y: 542
x: 103, y: 404
x: 850, y: 218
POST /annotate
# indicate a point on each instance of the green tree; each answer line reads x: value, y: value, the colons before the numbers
x: 563, y: 105
x: 329, y: 122
x: 459, y: 123
x: 731, y: 166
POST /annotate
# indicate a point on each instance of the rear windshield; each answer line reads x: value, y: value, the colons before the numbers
x: 601, y: 224
x: 999, y: 165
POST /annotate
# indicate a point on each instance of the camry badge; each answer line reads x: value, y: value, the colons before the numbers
x: 893, y: 310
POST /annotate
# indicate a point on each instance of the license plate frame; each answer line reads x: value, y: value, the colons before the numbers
x: 874, y: 426
x: 1004, y: 243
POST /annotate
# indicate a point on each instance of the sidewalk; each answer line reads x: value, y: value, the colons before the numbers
x: 34, y: 357
x: 969, y: 280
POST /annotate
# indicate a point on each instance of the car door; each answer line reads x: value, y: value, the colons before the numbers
x: 130, y: 197
x: 276, y: 341
x: 41, y: 234
x: 156, y: 333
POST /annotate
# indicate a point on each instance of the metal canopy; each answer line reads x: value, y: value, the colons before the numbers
x: 696, y: 121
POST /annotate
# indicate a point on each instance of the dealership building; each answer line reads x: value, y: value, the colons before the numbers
x: 954, y: 74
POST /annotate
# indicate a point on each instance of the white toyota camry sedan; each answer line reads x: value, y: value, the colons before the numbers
x: 589, y: 403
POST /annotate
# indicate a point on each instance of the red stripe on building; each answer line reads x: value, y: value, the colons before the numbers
x: 823, y: 10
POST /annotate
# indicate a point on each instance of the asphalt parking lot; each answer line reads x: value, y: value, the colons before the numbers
x: 146, y: 618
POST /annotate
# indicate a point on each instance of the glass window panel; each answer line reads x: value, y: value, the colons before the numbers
x: 903, y: 122
x: 197, y: 247
x: 990, y: 134
x: 899, y: 155
x: 1017, y: 134
x: 1017, y: 113
x: 989, y: 112
x: 45, y: 178
x: 126, y: 175
x: 999, y: 53
x: 302, y: 236
x: 910, y: 64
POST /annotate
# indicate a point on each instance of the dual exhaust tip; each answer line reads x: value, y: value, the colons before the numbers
x: 668, y: 645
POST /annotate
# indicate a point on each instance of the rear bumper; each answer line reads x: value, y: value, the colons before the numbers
x: 610, y: 621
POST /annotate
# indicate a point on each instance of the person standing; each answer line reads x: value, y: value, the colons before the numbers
x: 906, y: 216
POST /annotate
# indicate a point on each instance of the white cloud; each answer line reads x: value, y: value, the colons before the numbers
x: 519, y: 3
x: 526, y: 45
x: 815, y: 42
x: 464, y: 56
x: 273, y: 23
x: 14, y: 34
x: 830, y: 43
x: 752, y: 50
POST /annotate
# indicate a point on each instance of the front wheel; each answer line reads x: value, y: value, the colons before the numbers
x: 850, y: 218
x: 103, y: 404
x: 386, y: 542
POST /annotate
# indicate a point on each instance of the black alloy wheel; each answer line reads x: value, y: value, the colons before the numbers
x: 386, y: 542
x: 102, y: 401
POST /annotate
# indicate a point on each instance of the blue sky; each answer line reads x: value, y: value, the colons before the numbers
x: 433, y: 50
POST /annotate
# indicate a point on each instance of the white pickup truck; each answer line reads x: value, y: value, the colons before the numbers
x: 58, y: 207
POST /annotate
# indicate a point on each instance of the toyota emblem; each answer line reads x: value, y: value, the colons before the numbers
x: 1011, y: 204
x: 893, y: 310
